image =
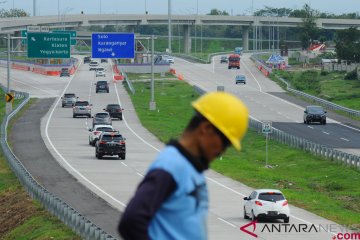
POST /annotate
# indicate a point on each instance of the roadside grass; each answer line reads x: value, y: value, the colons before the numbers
x: 147, y: 76
x: 20, y: 216
x: 331, y: 86
x: 323, y: 187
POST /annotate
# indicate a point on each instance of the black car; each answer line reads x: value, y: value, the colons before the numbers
x: 102, y: 86
x: 64, y: 72
x: 314, y: 114
x: 87, y: 59
x: 103, y: 60
x: 110, y: 143
x: 114, y: 110
x: 224, y: 59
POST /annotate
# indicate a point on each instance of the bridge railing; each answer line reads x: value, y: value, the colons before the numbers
x: 303, y: 144
x: 55, y: 205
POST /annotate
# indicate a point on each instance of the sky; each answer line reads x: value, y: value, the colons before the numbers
x: 233, y: 7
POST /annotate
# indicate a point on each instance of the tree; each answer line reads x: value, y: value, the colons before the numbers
x: 13, y: 13
x: 273, y: 12
x: 347, y: 44
x: 310, y: 31
x: 215, y: 11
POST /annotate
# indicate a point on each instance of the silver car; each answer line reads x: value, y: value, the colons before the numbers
x: 96, y: 131
x: 102, y: 118
x: 68, y: 99
x: 82, y: 108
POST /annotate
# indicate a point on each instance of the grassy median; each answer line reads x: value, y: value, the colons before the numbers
x: 20, y: 216
x: 323, y: 187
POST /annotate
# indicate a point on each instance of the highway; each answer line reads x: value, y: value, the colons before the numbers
x: 115, y: 180
x: 261, y: 95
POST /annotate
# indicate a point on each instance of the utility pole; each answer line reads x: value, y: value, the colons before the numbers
x: 34, y: 8
x: 152, y: 101
x: 169, y: 25
x: 8, y: 104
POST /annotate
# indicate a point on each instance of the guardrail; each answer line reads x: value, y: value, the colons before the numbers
x: 326, y: 104
x: 128, y: 82
x: 303, y: 144
x: 69, y: 216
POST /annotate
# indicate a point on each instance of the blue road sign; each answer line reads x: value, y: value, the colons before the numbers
x: 113, y: 45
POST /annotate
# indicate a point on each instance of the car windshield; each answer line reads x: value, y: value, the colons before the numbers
x: 271, y: 196
x: 102, y: 115
x: 112, y: 138
x: 234, y: 59
x: 84, y: 103
x: 316, y: 110
x: 240, y: 77
x: 69, y: 95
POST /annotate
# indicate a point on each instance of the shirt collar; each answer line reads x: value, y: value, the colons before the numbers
x: 200, y: 164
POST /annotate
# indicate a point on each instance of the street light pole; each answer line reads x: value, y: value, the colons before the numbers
x: 34, y: 8
x: 169, y: 25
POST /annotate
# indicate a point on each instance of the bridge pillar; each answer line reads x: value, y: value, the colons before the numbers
x: 187, y: 39
x: 16, y: 43
x: 131, y: 28
x: 245, y: 37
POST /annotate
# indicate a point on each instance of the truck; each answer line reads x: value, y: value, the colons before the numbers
x: 238, y: 50
x: 234, y: 61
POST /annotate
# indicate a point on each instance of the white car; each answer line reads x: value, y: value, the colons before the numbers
x: 100, y: 73
x: 266, y: 203
x: 96, y: 132
x: 170, y: 60
x: 93, y: 65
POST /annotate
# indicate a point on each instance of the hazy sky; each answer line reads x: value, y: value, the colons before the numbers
x: 235, y: 7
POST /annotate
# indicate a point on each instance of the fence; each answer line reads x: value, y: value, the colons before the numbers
x: 69, y: 216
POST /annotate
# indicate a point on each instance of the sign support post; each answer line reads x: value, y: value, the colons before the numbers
x: 267, y: 129
x: 8, y: 104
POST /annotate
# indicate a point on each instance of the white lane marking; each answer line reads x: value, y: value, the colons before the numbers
x: 229, y: 223
x: 140, y: 174
x: 124, y: 119
x: 345, y: 139
x: 124, y: 164
x: 63, y: 159
x: 310, y: 127
x: 326, y: 133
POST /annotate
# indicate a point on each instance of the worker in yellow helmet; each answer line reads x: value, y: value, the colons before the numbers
x: 172, y: 200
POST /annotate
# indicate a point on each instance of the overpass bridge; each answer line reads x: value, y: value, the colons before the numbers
x: 14, y: 25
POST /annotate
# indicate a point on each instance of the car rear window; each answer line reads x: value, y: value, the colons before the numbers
x: 69, y: 95
x: 112, y: 137
x: 102, y: 115
x: 116, y: 106
x: 271, y: 196
x: 101, y: 83
x: 83, y: 103
x: 104, y: 129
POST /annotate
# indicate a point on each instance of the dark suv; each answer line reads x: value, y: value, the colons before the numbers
x: 114, y: 110
x: 110, y: 143
x: 102, y: 86
x: 87, y: 59
x: 64, y: 72
x: 314, y: 114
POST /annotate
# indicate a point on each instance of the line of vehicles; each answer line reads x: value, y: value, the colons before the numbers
x: 102, y: 135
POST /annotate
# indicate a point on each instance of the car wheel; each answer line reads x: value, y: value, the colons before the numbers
x: 120, y: 118
x: 89, y: 116
x: 238, y: 67
x: 90, y: 142
x: 253, y: 217
x: 62, y: 105
x: 286, y: 220
x: 96, y: 91
x: 229, y: 67
x: 107, y: 91
x: 304, y: 122
x: 122, y: 156
x: 324, y: 122
x: 74, y: 115
x: 98, y: 155
x: 245, y: 216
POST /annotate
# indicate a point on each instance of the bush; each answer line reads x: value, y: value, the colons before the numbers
x: 351, y: 75
x: 324, y: 73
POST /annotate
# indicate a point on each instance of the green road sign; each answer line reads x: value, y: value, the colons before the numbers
x: 23, y: 34
x: 72, y: 35
x: 48, y: 45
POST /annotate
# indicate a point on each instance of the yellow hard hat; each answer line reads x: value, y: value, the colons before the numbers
x: 226, y: 112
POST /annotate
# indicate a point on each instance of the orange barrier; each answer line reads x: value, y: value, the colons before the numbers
x: 180, y: 77
x: 39, y: 70
x: 172, y: 71
x: 20, y: 67
x: 265, y: 72
x: 118, y: 77
x: 53, y: 73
